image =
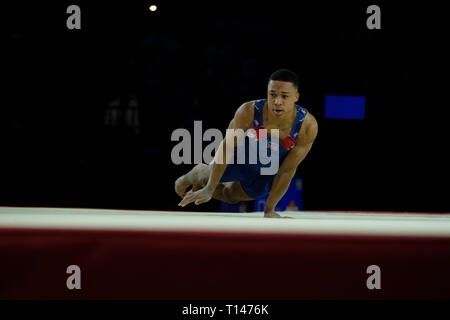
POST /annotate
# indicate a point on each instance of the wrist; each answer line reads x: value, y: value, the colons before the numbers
x: 209, y: 187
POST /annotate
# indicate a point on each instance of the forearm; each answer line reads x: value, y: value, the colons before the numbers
x: 234, y: 134
x: 219, y: 165
x: 279, y: 188
x: 215, y: 175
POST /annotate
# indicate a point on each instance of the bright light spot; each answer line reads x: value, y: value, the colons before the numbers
x: 153, y: 7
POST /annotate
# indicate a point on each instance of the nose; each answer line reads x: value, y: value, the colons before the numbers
x: 277, y: 101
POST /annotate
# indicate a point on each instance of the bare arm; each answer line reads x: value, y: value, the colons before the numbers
x: 291, y: 162
x: 235, y: 133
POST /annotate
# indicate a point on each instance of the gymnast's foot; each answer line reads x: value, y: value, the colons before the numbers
x: 181, y: 185
x: 197, y: 178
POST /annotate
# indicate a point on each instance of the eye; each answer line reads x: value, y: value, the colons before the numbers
x: 272, y: 94
x: 284, y: 96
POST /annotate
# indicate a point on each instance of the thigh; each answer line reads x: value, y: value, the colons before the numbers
x: 237, y: 191
x: 230, y: 192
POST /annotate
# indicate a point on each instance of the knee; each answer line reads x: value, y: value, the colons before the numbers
x: 232, y: 201
x: 230, y: 197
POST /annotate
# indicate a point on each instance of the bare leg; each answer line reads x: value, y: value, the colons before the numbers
x: 230, y: 192
x: 197, y: 178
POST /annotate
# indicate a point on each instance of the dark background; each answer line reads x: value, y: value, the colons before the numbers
x: 196, y: 61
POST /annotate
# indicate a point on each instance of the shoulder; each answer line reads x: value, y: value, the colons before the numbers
x: 244, y: 114
x: 247, y: 107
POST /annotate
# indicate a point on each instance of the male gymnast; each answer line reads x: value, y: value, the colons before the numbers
x: 286, y: 126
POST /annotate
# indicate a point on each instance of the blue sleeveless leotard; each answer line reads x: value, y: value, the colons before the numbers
x: 249, y: 174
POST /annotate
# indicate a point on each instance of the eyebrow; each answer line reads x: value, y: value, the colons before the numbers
x: 281, y: 91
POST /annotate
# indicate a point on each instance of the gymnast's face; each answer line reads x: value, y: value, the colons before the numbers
x: 282, y: 97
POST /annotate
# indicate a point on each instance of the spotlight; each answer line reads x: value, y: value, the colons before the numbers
x: 153, y: 8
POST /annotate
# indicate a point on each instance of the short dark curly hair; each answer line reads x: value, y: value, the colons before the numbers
x: 286, y: 75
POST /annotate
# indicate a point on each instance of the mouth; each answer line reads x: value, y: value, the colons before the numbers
x: 278, y: 112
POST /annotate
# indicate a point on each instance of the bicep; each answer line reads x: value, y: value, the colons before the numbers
x: 243, y: 117
x: 231, y: 125
x: 241, y: 121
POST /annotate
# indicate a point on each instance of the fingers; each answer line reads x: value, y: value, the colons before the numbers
x: 272, y: 215
x: 197, y: 197
x: 188, y: 198
x: 184, y: 202
x: 200, y: 201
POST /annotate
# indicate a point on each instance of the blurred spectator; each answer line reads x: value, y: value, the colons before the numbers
x: 124, y: 114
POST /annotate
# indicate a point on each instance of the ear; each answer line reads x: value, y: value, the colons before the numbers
x: 297, y: 95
